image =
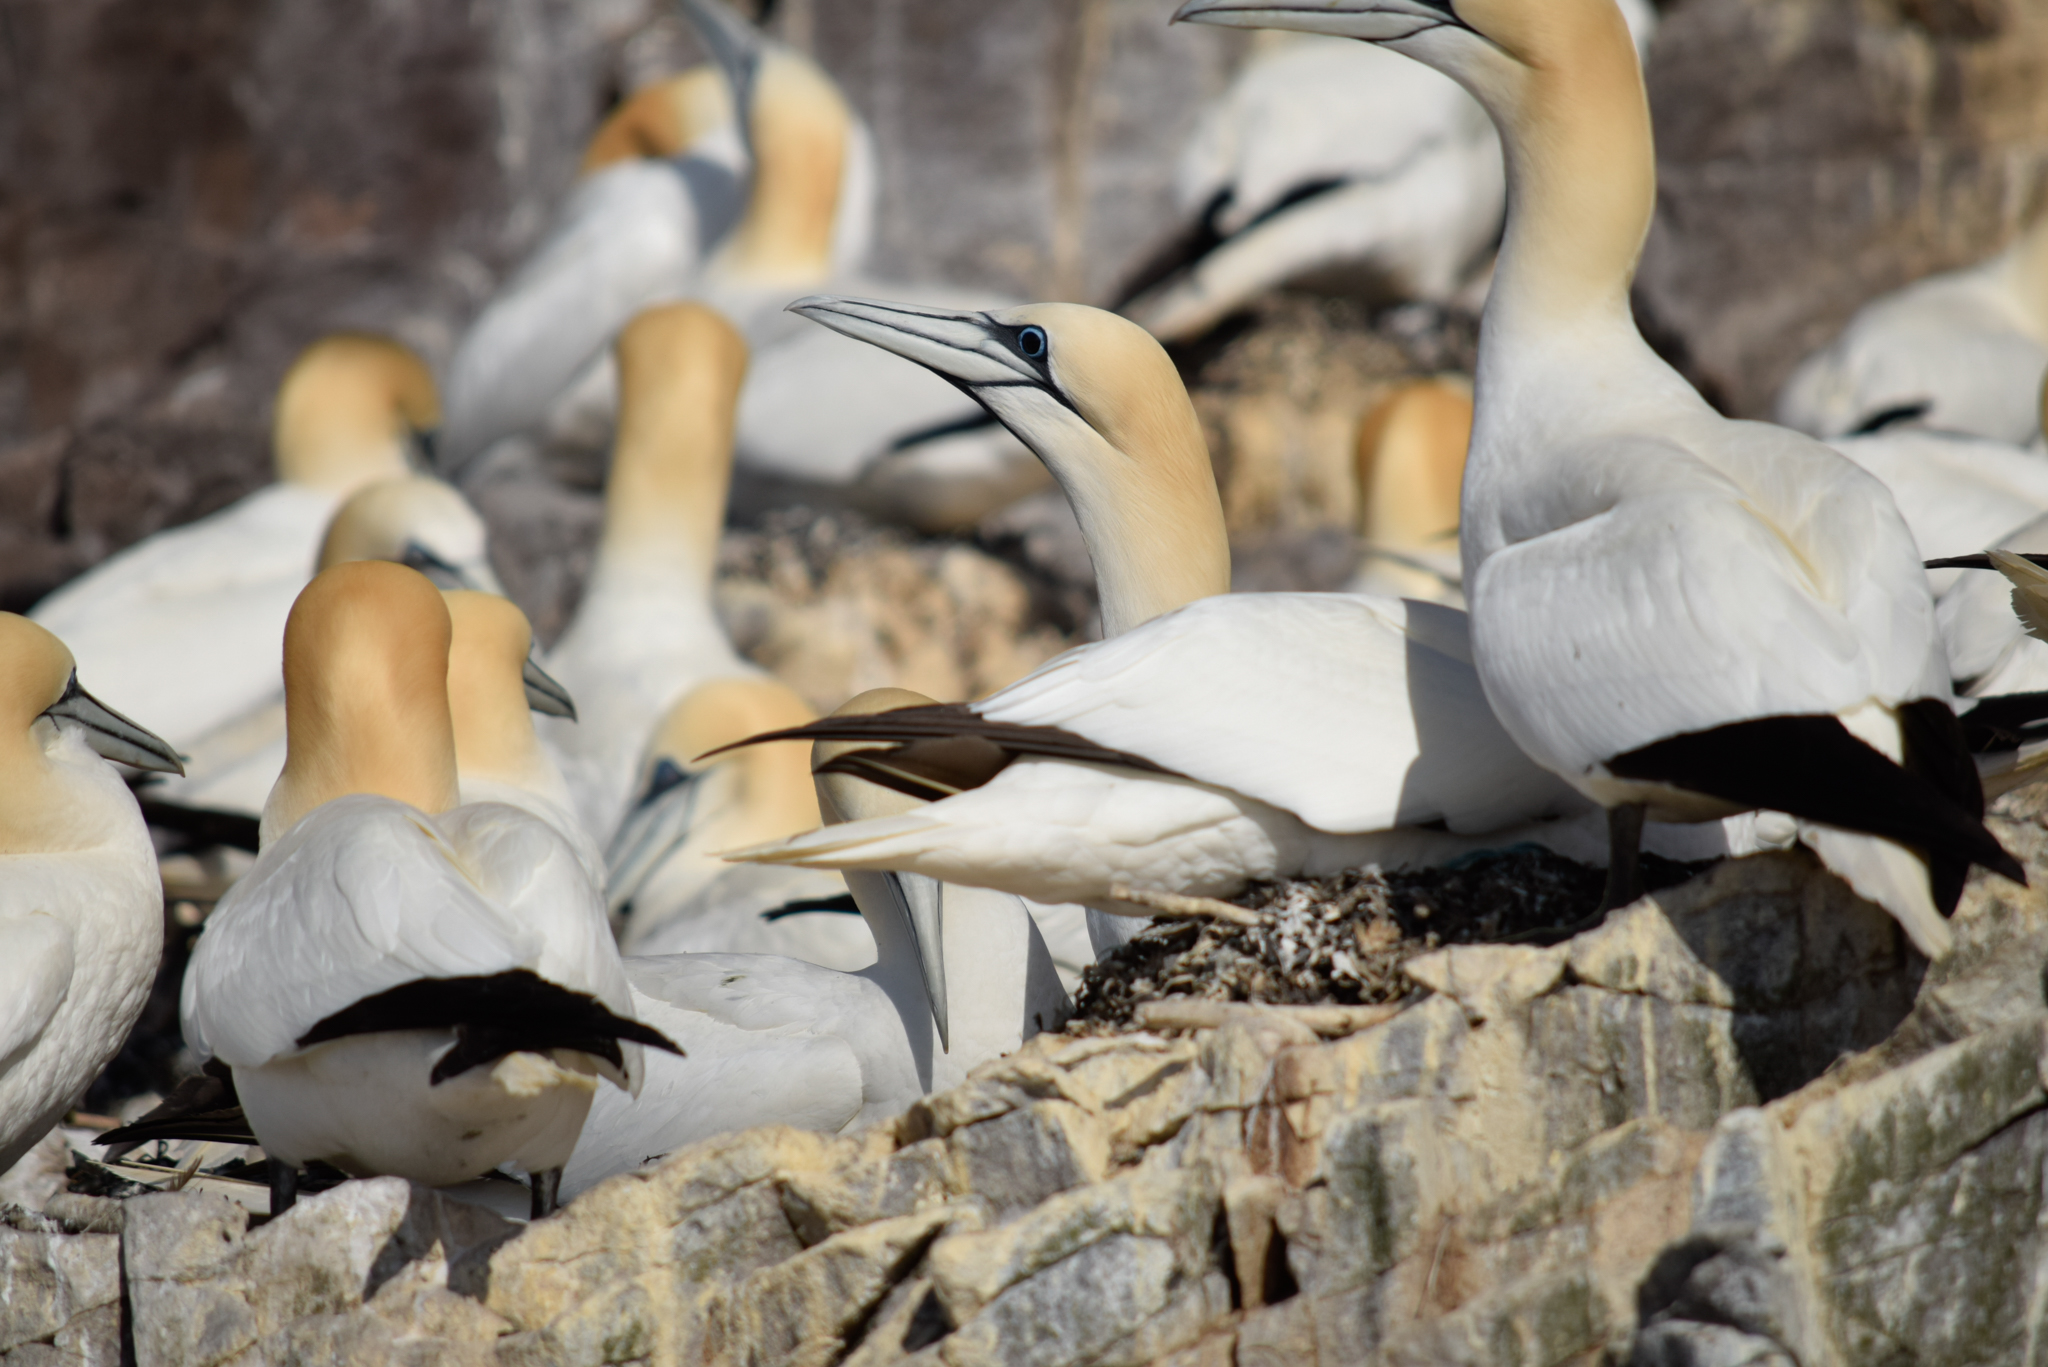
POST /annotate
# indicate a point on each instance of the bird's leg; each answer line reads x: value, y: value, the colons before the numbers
x: 284, y: 1186
x: 1624, y: 845
x: 546, y: 1184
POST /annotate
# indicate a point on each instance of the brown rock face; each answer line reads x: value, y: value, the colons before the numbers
x: 195, y: 192
x: 1812, y: 154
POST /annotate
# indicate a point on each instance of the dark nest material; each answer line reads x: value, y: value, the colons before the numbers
x: 1341, y: 941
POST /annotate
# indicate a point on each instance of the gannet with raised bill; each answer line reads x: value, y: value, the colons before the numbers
x: 1678, y: 613
x: 1330, y: 164
x: 2006, y: 721
x: 230, y: 769
x: 81, y: 908
x: 183, y: 626
x: 1233, y: 738
x: 1964, y: 351
x: 664, y: 180
x: 1411, y: 460
x: 403, y: 984
x: 961, y: 977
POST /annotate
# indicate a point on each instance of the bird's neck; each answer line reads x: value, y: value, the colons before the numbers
x: 45, y: 808
x: 1154, y: 529
x: 357, y: 737
x: 666, y: 494
x: 797, y: 133
x: 1582, y: 184
x: 2028, y: 263
x: 494, y: 737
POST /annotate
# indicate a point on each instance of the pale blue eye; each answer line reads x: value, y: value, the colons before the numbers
x: 1031, y: 341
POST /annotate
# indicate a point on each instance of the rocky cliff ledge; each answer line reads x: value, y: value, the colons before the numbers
x: 1739, y: 1123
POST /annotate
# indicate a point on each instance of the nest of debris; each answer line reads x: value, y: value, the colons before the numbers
x: 1341, y: 941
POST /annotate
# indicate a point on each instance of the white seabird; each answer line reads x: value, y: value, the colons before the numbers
x: 403, y: 984
x: 1678, y: 613
x: 81, y: 907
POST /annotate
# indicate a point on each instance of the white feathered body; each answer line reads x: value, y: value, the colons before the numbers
x: 1962, y: 343
x: 366, y: 894
x: 186, y: 628
x: 81, y: 933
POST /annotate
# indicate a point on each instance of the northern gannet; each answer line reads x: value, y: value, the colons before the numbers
x: 663, y: 181
x: 1411, y: 460
x: 1963, y: 351
x: 1327, y: 163
x: 183, y: 627
x: 962, y: 976
x: 1235, y: 737
x: 81, y: 908
x: 403, y: 984
x: 1676, y: 612
x: 646, y: 633
x: 230, y: 768
x: 670, y: 890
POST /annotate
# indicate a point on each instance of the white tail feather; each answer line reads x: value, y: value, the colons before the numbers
x: 1885, y: 873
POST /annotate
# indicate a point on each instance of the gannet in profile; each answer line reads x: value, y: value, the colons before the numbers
x: 1676, y: 612
x: 1233, y: 738
x: 1336, y: 165
x: 1964, y: 351
x: 403, y: 984
x: 230, y: 768
x: 646, y: 634
x: 183, y: 627
x: 81, y: 908
x: 1411, y: 460
x: 962, y: 976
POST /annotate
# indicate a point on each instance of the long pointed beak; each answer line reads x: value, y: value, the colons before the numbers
x: 736, y: 46
x: 921, y: 901
x: 1374, y: 21
x: 544, y: 694
x: 964, y: 346
x: 112, y: 735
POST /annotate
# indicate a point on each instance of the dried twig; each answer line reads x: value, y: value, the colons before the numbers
x: 1174, y: 906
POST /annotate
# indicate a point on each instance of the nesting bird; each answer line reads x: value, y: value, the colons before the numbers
x: 1678, y: 614
x: 402, y: 983
x: 81, y: 921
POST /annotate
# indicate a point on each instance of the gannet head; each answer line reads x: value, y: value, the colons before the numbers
x: 914, y: 900
x: 663, y: 120
x: 39, y: 679
x: 1099, y: 401
x: 352, y: 409
x: 494, y: 685
x: 416, y: 521
x: 1457, y: 36
x: 365, y: 694
x: 46, y: 803
x: 773, y: 795
x: 680, y: 370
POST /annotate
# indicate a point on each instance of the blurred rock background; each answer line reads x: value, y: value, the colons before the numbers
x: 190, y: 193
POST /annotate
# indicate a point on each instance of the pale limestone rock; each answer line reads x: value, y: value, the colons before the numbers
x: 50, y: 1280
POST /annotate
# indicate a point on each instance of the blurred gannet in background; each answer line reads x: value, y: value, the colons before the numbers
x: 230, y: 769
x: 403, y: 984
x: 1330, y: 163
x: 184, y: 626
x: 663, y: 181
x: 1676, y: 612
x: 667, y: 883
x: 771, y: 1039
x: 1238, y: 737
x: 1964, y: 351
x: 646, y: 634
x: 81, y: 908
x: 1411, y: 460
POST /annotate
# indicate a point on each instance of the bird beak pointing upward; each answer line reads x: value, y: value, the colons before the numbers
x: 919, y: 899
x: 966, y: 347
x: 544, y: 694
x: 112, y: 735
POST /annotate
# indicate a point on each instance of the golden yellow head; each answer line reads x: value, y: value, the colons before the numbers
x: 662, y: 120
x: 35, y: 669
x: 348, y: 411
x: 366, y: 693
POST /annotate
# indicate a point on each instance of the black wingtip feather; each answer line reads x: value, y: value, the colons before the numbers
x: 492, y: 1015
